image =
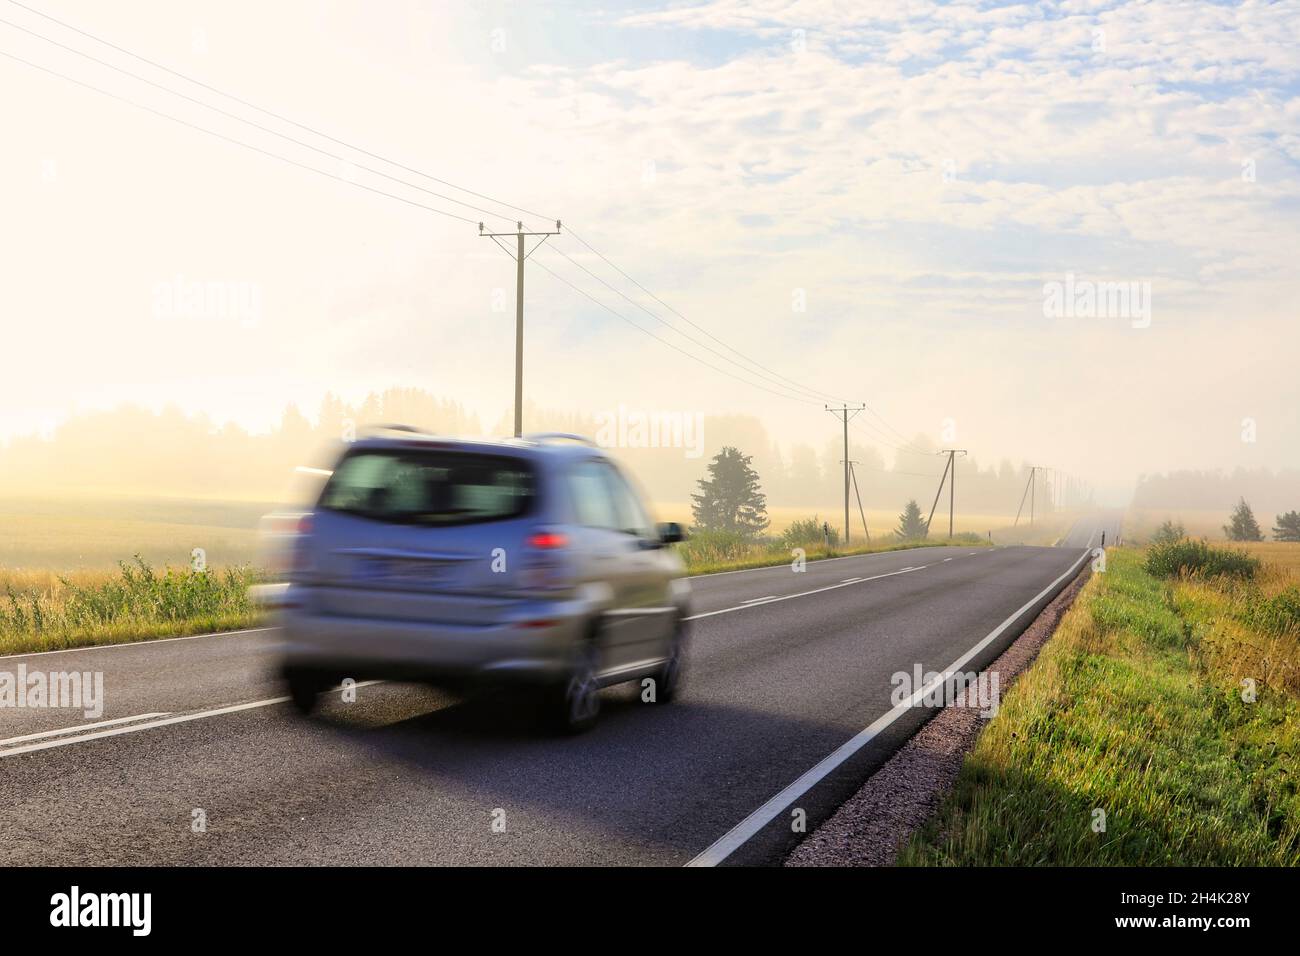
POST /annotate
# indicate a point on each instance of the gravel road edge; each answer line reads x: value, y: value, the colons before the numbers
x: 872, y: 826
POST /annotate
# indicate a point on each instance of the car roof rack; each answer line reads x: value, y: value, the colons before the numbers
x: 375, y: 429
x: 540, y: 437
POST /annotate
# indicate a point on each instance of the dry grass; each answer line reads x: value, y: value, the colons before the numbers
x: 1282, y: 556
x: 94, y: 534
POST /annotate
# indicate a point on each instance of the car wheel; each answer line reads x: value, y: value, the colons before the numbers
x: 575, y: 703
x: 668, y: 678
x: 304, y: 686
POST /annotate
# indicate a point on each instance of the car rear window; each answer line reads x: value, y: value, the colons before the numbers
x: 414, y: 486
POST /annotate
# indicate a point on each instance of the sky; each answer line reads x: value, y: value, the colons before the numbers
x: 1061, y: 233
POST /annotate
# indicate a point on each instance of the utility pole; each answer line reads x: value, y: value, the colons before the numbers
x: 952, y: 482
x: 939, y: 491
x: 1027, y: 493
x: 519, y: 256
x: 843, y: 413
x: 853, y: 473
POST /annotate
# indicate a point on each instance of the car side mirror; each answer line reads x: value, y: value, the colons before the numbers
x: 670, y: 532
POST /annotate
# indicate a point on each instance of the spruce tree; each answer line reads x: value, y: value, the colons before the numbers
x: 911, y: 526
x: 730, y: 498
x: 1243, y: 526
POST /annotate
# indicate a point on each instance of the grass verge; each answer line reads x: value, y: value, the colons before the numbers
x: 44, y: 612
x: 709, y: 553
x: 1137, y: 708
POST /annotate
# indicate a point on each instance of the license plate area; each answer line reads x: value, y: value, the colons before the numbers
x: 405, y: 573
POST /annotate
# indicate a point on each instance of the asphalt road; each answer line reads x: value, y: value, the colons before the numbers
x: 787, y: 671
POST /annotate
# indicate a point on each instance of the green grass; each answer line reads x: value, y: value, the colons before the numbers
x: 1181, y: 557
x: 43, y: 612
x: 1135, y: 708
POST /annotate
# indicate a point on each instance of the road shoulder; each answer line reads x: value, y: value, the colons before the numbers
x: 872, y: 826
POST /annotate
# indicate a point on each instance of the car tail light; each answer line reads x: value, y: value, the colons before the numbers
x: 548, y: 540
x: 546, y: 564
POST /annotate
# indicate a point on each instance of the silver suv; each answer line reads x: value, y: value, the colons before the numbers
x: 528, y: 560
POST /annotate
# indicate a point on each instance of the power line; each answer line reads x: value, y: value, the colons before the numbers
x: 874, y: 436
x: 271, y: 113
x: 231, y: 139
x: 669, y: 325
x: 541, y: 265
x: 756, y: 364
x: 411, y: 202
x: 770, y: 375
x: 258, y: 126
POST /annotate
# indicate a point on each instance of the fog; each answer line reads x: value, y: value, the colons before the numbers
x: 1029, y: 248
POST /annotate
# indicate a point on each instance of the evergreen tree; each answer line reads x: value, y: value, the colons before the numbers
x: 911, y: 526
x: 1243, y: 526
x: 729, y: 498
x: 1287, y: 527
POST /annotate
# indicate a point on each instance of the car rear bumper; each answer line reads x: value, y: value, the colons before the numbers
x: 538, y: 642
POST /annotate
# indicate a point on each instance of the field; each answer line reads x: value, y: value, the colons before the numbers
x: 88, y: 571
x: 1140, y: 524
x: 95, y: 534
x: 98, y: 571
x: 1159, y: 726
x: 1283, y: 555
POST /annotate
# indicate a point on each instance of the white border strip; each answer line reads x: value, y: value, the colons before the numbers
x: 83, y: 727
x: 742, y: 832
x: 183, y: 718
x: 156, y: 640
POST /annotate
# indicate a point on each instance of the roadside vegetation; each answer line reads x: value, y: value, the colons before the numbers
x: 730, y: 520
x: 707, y: 552
x: 1169, y: 701
x: 41, y: 611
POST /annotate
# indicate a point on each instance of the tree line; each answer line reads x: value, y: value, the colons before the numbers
x: 730, y: 499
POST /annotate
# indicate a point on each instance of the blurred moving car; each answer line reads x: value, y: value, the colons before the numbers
x: 528, y: 561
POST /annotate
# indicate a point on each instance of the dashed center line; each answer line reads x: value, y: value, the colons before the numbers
x: 771, y: 599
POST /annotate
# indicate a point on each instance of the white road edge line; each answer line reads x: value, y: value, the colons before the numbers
x: 787, y: 597
x: 83, y: 727
x: 158, y: 640
x: 742, y: 832
x: 134, y: 728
